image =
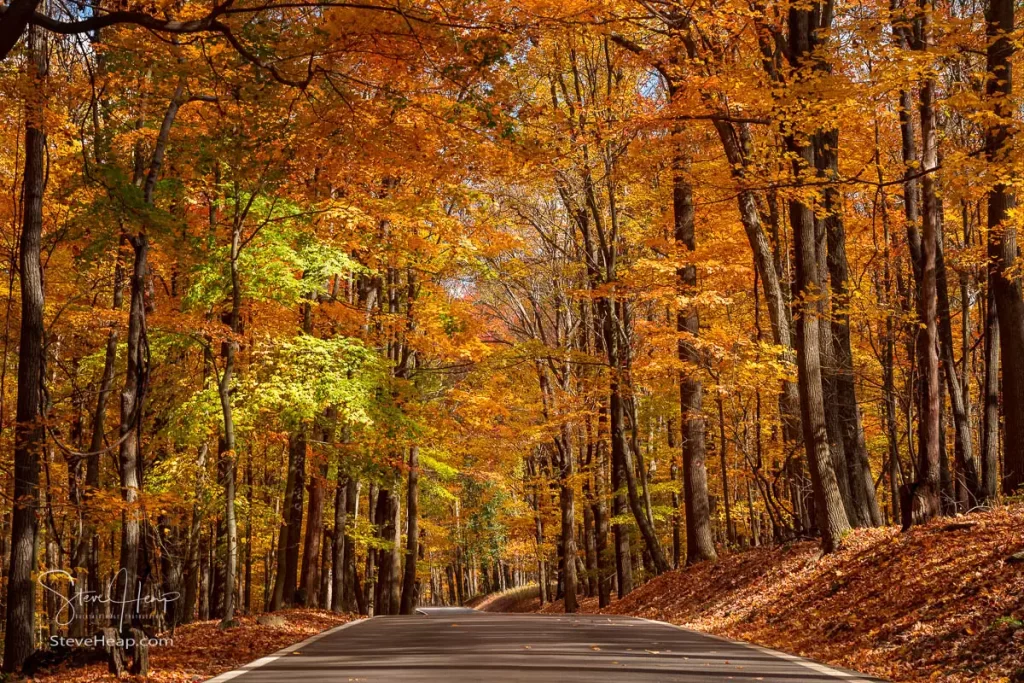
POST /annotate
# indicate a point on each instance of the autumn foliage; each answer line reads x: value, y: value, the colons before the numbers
x: 365, y: 306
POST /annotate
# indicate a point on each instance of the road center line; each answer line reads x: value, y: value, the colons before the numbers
x: 814, y: 666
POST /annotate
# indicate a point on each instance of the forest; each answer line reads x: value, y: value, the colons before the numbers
x: 369, y: 305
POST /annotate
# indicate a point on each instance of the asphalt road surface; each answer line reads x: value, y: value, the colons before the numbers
x: 455, y: 645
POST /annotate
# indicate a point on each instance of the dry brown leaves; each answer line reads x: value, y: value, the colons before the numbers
x: 938, y: 603
x: 201, y: 650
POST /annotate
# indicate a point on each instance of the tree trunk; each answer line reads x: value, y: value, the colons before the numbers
x: 768, y: 274
x: 723, y: 454
x: 309, y: 581
x: 621, y: 452
x: 699, y: 543
x: 926, y: 495
x: 958, y: 400
x: 369, y: 569
x: 567, y: 501
x: 606, y: 567
x: 862, y: 489
x: 408, y: 605
x: 297, y: 445
x: 990, y: 416
x: 296, y: 465
x: 341, y: 545
x: 538, y: 530
x: 387, y: 599
x: 1002, y: 247
x: 227, y: 443
x: 830, y: 513
x: 132, y: 397
x: 352, y: 594
x: 30, y: 434
x: 675, y: 475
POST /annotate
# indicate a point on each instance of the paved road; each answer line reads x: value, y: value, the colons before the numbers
x: 464, y: 646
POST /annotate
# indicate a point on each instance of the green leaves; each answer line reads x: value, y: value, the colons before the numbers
x: 297, y: 380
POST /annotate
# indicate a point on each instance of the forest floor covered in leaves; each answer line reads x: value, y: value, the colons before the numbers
x: 942, y: 602
x: 201, y: 650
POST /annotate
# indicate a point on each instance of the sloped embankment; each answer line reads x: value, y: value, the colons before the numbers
x: 942, y: 602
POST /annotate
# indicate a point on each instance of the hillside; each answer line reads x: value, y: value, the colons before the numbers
x: 943, y: 602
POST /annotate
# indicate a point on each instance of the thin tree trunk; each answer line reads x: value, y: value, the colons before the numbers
x: 958, y: 400
x: 567, y: 501
x: 297, y: 445
x: 192, y: 559
x: 990, y: 416
x: 341, y: 545
x: 408, y: 605
x: 352, y: 595
x: 369, y: 569
x: 730, y: 530
x: 227, y: 450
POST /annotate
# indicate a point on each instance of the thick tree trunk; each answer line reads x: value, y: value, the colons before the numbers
x: 926, y: 502
x: 830, y: 513
x: 283, y: 591
x: 863, y: 504
x: 323, y: 596
x: 387, y: 599
x: 409, y: 597
x: 1002, y: 247
x: 132, y: 398
x: 309, y: 578
x: 30, y: 434
x: 700, y: 545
